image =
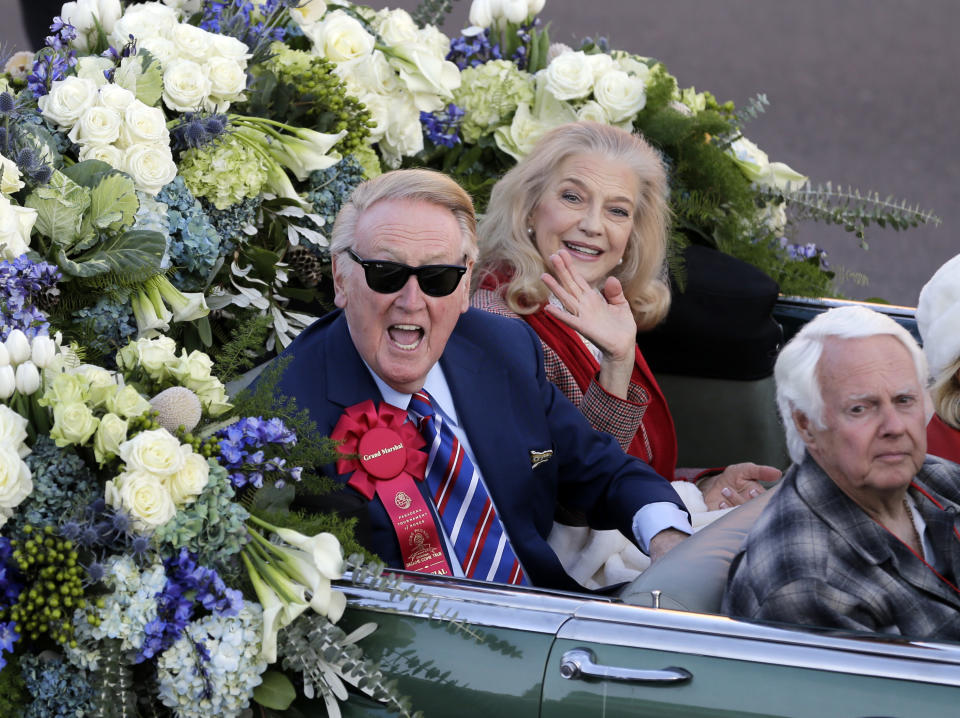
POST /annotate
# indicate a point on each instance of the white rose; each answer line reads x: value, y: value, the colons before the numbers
x: 227, y: 78
x: 434, y: 40
x: 374, y: 75
x: 309, y: 12
x: 185, y: 85
x: 601, y: 64
x: 523, y: 133
x: 188, y: 483
x: 591, y: 111
x: 156, y: 452
x: 193, y: 369
x: 154, y: 355
x: 10, y: 181
x: 115, y: 97
x: 620, y: 94
x: 142, y: 496
x: 146, y: 20
x: 16, y: 223
x: 99, y: 384
x: 231, y: 48
x: 13, y: 430
x: 191, y: 42
x: 111, y: 154
x: 126, y: 402
x: 404, y: 136
x: 67, y: 100
x: 341, y: 38
x: 143, y: 124
x: 98, y: 125
x: 186, y: 7
x: 161, y: 48
x: 91, y: 67
x: 428, y: 77
x: 110, y: 434
x: 151, y: 167
x: 396, y: 27
x: 379, y: 108
x: 72, y: 424
x: 569, y: 76
x: 15, y: 480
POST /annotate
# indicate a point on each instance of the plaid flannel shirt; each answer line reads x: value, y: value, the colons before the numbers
x: 815, y: 557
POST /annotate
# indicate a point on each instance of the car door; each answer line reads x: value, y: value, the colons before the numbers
x: 618, y: 660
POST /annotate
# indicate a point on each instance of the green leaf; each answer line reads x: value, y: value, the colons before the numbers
x: 270, y: 498
x: 60, y: 206
x: 113, y: 203
x: 142, y: 75
x: 132, y: 251
x: 89, y: 173
x: 275, y: 691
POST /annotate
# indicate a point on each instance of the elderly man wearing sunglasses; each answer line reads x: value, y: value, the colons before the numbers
x: 455, y: 444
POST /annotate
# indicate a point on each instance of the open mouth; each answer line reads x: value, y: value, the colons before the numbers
x: 405, y: 336
x: 582, y: 249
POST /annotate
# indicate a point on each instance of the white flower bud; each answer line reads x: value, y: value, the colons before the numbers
x: 18, y: 346
x: 43, y: 350
x: 4, y: 355
x: 27, y: 378
x: 8, y: 382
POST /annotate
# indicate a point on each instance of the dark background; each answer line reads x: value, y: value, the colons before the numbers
x: 862, y: 93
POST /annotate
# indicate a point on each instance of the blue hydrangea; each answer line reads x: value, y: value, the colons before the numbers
x: 328, y: 189
x: 235, y: 223
x: 58, y: 689
x: 110, y: 322
x: 244, y: 449
x: 25, y: 286
x: 194, y: 243
x: 61, y: 483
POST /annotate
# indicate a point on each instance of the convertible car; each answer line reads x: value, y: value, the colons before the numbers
x: 660, y: 647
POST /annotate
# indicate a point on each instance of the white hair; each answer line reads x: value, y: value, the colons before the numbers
x: 798, y: 388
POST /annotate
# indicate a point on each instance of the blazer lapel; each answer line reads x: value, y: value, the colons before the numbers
x: 347, y: 379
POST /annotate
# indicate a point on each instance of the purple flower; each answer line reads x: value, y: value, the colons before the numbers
x: 443, y: 126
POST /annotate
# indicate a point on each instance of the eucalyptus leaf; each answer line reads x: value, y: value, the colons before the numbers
x: 276, y: 691
x: 270, y: 498
x: 60, y: 205
x: 131, y: 252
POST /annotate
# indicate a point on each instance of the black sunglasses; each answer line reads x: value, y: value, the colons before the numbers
x: 436, y: 280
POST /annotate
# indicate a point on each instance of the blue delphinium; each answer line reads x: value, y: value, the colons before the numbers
x: 58, y: 689
x: 803, y: 252
x: 475, y: 48
x: 194, y: 241
x: 191, y: 590
x: 11, y: 585
x: 53, y: 61
x: 244, y: 446
x: 442, y: 127
x: 24, y: 285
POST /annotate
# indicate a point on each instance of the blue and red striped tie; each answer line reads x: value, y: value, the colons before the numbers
x: 462, y: 501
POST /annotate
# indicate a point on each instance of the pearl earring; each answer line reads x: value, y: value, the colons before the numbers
x: 620, y: 261
x: 530, y: 231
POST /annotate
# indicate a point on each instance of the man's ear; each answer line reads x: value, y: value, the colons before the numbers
x: 465, y: 286
x: 803, y: 424
x: 339, y: 296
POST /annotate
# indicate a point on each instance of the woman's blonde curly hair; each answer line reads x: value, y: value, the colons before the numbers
x: 506, y: 248
x: 946, y: 394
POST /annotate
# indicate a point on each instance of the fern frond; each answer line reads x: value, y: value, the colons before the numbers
x: 237, y: 354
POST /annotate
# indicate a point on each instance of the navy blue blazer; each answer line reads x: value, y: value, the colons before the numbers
x: 508, y: 408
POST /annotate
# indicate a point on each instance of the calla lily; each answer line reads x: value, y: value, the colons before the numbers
x: 324, y: 548
x: 43, y: 349
x: 27, y: 378
x: 272, y: 608
x: 8, y: 382
x: 307, y: 151
x: 18, y: 346
x: 150, y: 322
x: 186, y: 307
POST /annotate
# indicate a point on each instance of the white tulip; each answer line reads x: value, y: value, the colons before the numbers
x: 4, y: 355
x: 8, y: 382
x: 18, y: 346
x: 42, y: 350
x: 27, y: 378
x: 483, y: 12
x: 514, y: 11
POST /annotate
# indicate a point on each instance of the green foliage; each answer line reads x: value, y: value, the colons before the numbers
x: 13, y: 694
x: 755, y: 107
x: 276, y: 691
x: 114, y: 695
x: 239, y: 353
x: 60, y: 206
x: 851, y: 209
x: 431, y: 12
x: 134, y: 251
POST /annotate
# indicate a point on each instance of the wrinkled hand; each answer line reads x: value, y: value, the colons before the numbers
x: 736, y: 485
x: 604, y: 317
x: 663, y: 542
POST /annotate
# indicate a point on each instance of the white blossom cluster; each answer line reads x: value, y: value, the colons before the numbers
x: 16, y: 222
x: 15, y: 479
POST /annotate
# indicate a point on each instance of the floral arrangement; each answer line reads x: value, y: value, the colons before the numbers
x: 169, y: 173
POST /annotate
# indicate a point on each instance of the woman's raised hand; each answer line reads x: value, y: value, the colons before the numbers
x: 602, y: 316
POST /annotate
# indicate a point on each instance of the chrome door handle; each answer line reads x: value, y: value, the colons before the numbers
x: 580, y: 663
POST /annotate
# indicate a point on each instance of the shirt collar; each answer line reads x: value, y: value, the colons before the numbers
x: 435, y: 384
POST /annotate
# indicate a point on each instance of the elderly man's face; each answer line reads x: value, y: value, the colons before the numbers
x: 402, y: 334
x: 874, y: 441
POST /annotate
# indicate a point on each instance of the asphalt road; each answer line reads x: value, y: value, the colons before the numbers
x: 862, y: 93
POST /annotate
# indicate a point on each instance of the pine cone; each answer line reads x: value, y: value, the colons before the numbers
x: 304, y: 265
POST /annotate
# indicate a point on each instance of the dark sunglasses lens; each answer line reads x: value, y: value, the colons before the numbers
x: 386, y: 278
x: 439, y: 281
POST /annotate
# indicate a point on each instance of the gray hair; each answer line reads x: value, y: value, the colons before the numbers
x: 798, y: 388
x: 410, y: 184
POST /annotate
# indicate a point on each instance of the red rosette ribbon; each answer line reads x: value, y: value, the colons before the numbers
x: 381, y: 443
